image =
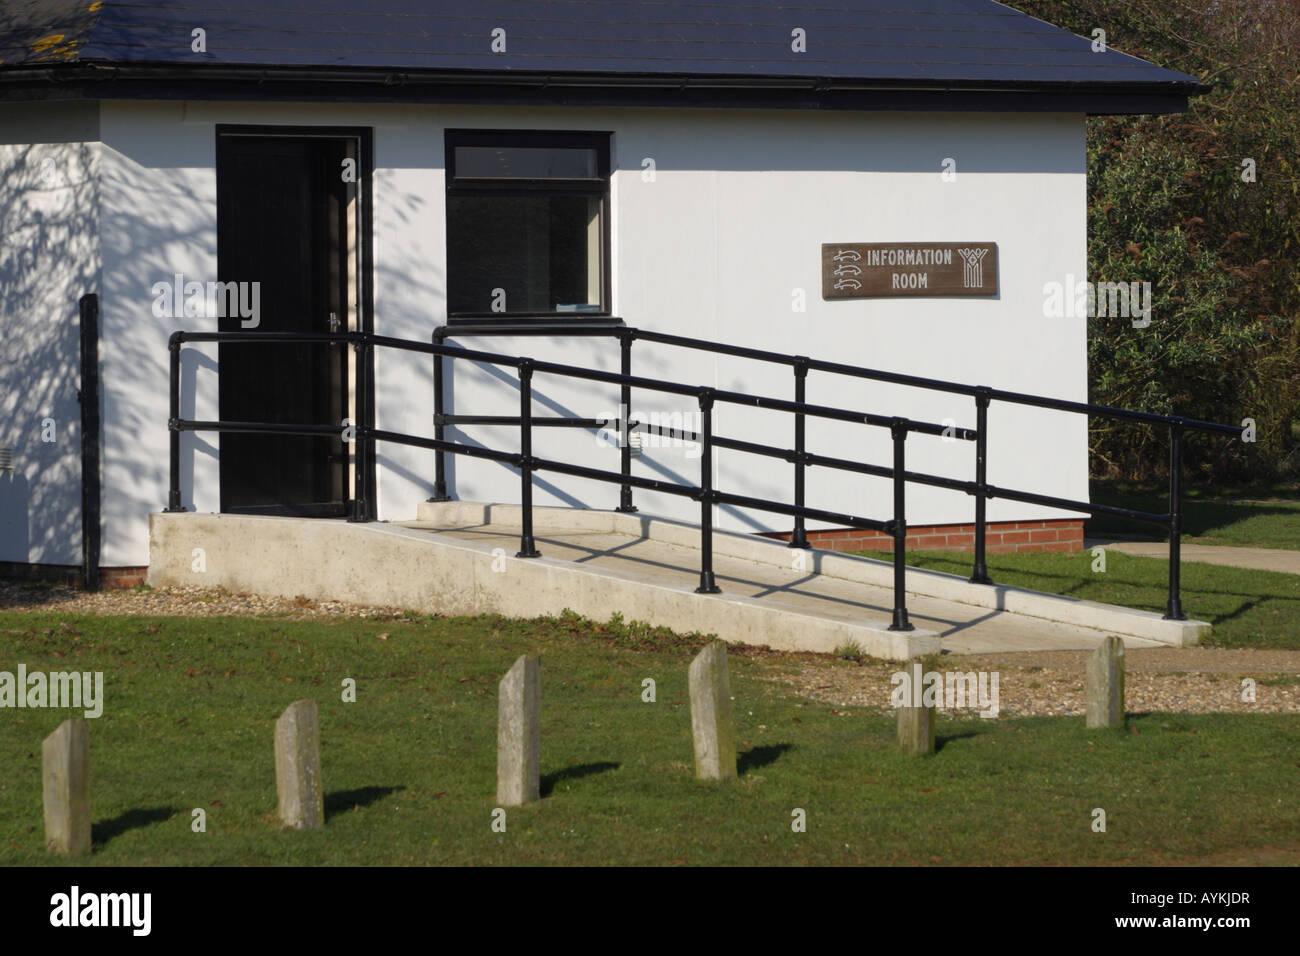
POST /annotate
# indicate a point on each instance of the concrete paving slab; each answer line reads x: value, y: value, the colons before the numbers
x: 1258, y: 559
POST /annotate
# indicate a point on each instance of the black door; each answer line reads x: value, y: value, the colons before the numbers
x: 282, y: 223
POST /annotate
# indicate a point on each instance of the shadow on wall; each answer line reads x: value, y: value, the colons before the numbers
x: 159, y: 221
x: 650, y: 361
x: 409, y: 302
x: 48, y: 260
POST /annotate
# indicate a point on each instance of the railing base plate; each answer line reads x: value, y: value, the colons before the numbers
x: 708, y: 584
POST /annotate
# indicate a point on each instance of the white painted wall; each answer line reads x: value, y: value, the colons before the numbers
x: 49, y: 258
x: 159, y: 219
x: 713, y: 247
x: 733, y: 223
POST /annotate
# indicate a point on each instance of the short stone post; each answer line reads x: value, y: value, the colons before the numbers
x: 519, y: 733
x: 297, y: 766
x: 916, y: 730
x: 65, y: 760
x: 1105, y: 685
x: 715, y: 738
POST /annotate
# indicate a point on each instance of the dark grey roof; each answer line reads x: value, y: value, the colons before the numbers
x: 901, y: 43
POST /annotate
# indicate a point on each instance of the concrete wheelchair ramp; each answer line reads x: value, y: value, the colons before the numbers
x: 459, y: 558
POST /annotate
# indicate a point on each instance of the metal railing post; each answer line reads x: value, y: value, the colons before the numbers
x: 708, y: 585
x: 799, y: 537
x: 88, y: 398
x: 1174, y: 611
x: 439, y: 425
x: 980, y: 572
x: 527, y: 546
x: 173, y: 423
x: 899, y: 430
x: 370, y: 478
x: 625, y: 426
x: 359, y: 351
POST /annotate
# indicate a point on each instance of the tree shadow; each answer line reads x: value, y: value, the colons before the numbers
x: 22, y: 587
x: 941, y: 742
x: 343, y: 800
x: 105, y: 830
x: 548, y: 782
x: 1201, y: 514
x: 759, y: 757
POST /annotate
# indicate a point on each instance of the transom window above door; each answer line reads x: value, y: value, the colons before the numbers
x: 527, y: 224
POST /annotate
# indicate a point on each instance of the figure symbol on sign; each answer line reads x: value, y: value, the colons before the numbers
x: 847, y: 269
x: 847, y: 255
x: 848, y: 284
x: 972, y: 276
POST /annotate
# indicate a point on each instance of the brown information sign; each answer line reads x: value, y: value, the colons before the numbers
x: 860, y: 270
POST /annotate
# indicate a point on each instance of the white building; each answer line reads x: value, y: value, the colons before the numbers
x: 398, y: 166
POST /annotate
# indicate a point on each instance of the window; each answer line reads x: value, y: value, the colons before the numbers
x: 527, y: 224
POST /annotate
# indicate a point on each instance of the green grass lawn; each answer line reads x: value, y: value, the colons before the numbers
x: 409, y: 769
x: 1248, y: 608
x: 1259, y: 517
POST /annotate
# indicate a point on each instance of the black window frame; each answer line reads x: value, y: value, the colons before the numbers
x: 597, y: 188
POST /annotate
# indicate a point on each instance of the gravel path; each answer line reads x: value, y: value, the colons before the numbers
x: 1197, y: 680
x: 175, y: 602
x: 1168, y: 680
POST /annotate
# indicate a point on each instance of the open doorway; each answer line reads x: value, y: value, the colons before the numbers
x: 290, y: 218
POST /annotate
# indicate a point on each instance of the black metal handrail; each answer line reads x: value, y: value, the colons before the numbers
x: 707, y: 396
x: 801, y: 365
x: 528, y: 464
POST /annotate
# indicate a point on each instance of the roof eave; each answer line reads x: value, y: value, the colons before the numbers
x: 104, y: 80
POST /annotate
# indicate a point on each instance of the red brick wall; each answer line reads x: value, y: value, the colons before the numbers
x: 114, y: 578
x: 111, y: 578
x: 1000, y: 536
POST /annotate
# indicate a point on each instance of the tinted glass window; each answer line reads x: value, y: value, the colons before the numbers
x: 526, y: 223
x: 523, y: 254
x: 525, y: 162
